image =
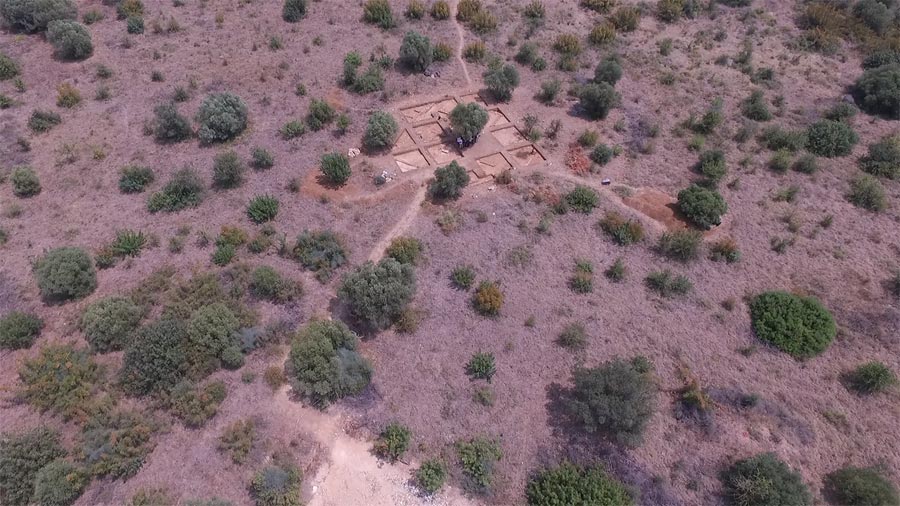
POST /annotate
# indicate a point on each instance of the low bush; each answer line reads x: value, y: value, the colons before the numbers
x: 442, y: 52
x: 621, y: 230
x: 65, y: 273
x: 764, y: 480
x: 800, y: 326
x: 755, y: 107
x: 335, y: 167
x: 155, y: 360
x: 440, y: 10
x: 228, y: 170
x: 877, y: 90
x: 380, y: 131
x: 8, y: 67
x: 261, y: 159
x: 682, y: 245
x: 195, y: 405
x: 116, y: 444
x: 406, y: 250
x: 868, y: 193
x: 129, y: 8
x: 871, y: 378
x: 481, y: 366
x: 42, y: 121
x: 430, y: 476
x: 169, y: 125
x: 608, y: 71
x: 475, y: 52
x: 325, y: 364
x: 184, y: 190
x: 573, y: 337
x: 134, y: 178
x: 477, y: 457
x: 267, y: 283
x: 262, y: 208
x: 501, y: 81
x: 806, y: 164
x: 277, y: 485
x: 108, y: 323
x: 582, y: 199
x: 415, y: 9
x: 842, y: 111
x: 712, y: 165
x: 18, y: 330
x: 392, y: 442
x: 320, y: 114
x: 35, y: 15
x: 830, y: 138
x: 724, y: 250
x: 25, y: 182
x: 483, y: 22
x: 67, y: 96
x: 883, y: 159
x: 776, y: 138
x: 448, y: 182
x: 211, y: 330
x: 602, y: 34
x: 59, y: 483
x: 667, y: 284
x: 61, y: 379
x: 462, y: 277
x: 626, y: 18
x: 293, y: 10
x: 582, y: 281
x: 237, y: 440
x: 468, y: 120
x: 322, y: 252
x: 22, y: 456
x: 616, y: 399
x: 416, y: 52
x: 488, y: 298
x: 70, y: 39
x: 292, y: 130
x: 568, y: 484
x: 602, y: 154
x: 855, y: 486
x: 597, y: 99
x: 378, y: 293
x: 222, y: 117
x: 378, y: 12
x: 702, y: 206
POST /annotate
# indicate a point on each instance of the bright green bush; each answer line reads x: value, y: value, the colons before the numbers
x: 108, y: 323
x: 830, y: 138
x: 267, y: 283
x: 448, y: 182
x: 322, y: 252
x: 871, y: 378
x: 59, y: 483
x: 184, y: 190
x: 430, y: 476
x: 70, y: 39
x: 335, y: 167
x: 22, y: 455
x: 65, y: 273
x: 764, y: 480
x: 277, y: 485
x: 320, y: 114
x: 262, y: 208
x: 571, y: 485
x: 18, y: 330
x: 682, y: 245
x: 416, y: 51
x: 154, y: 361
x: 392, y: 442
x: 477, y: 458
x: 868, y: 193
x: 481, y: 366
x: 210, y: 331
x: 501, y: 81
x: 380, y: 131
x: 797, y: 325
x: 293, y: 10
x: 116, y: 444
x: 582, y: 199
x: 855, y: 486
x: 378, y: 12
x: 468, y: 120
x: 325, y: 364
x: 596, y: 99
x: 702, y: 206
x: 25, y: 182
x: 195, y: 405
x: 35, y: 15
x: 878, y: 90
x: 169, y: 125
x: 135, y: 178
x: 883, y: 159
x: 378, y: 293
x: 616, y: 399
x: 222, y: 117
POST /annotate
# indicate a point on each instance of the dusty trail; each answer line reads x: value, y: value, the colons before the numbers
x: 462, y: 41
x: 402, y: 224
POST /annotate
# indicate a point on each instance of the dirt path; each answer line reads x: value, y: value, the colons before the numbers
x: 462, y: 41
x: 402, y: 224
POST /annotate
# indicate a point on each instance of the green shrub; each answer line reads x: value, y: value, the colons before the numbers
x: 868, y: 193
x: 462, y: 277
x: 210, y: 331
x: 430, y: 476
x: 477, y: 458
x: 475, y: 51
x: 65, y: 273
x: 25, y: 182
x: 488, y: 299
x: 501, y: 81
x: 616, y: 399
x: 724, y: 249
x: 8, y: 67
x: 237, y: 440
x: 184, y: 190
x: 573, y: 337
x: 602, y: 154
x: 267, y: 283
x: 134, y: 178
x: 806, y: 164
x: 378, y: 12
x: 159, y: 497
x: 378, y: 293
x: 442, y: 52
x: 416, y: 52
x: 626, y: 18
x: 599, y: 6
x: 855, y: 486
x: 42, y: 121
x: 870, y: 378
x: 117, y: 444
x: 755, y: 107
x: 134, y: 25
x: 884, y: 158
x: 194, y: 405
x: 702, y: 206
x: 277, y: 485
x: 571, y: 485
x: 70, y: 39
x: 448, y: 181
x: 128, y: 243
x: 293, y: 10
x: 222, y: 117
x: 468, y: 120
x: 415, y: 9
x: 602, y: 34
x: 481, y: 366
x: 325, y: 363
x: 406, y: 250
x: 830, y: 138
x: 873, y: 14
x: 108, y: 323
x: 582, y: 199
x: 261, y: 159
x: 483, y: 22
x: 129, y: 8
x: 322, y: 252
x: 878, y: 90
x: 228, y: 170
x: 335, y: 167
x: 392, y: 442
x: 169, y: 125
x: 841, y: 111
x: 440, y: 10
x: 712, y: 165
x: 320, y: 114
x: 61, y: 380
x: 380, y: 131
x: 667, y: 284
x: 18, y: 330
x: 764, y: 480
x: 799, y: 326
x: 292, y: 130
x: 776, y: 138
x: 35, y: 15
x: 609, y: 71
x: 682, y: 245
x: 262, y: 208
x: 59, y: 483
x: 623, y: 231
x: 596, y: 99
x: 467, y: 9
x: 154, y: 361
x: 583, y: 279
x: 22, y: 455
